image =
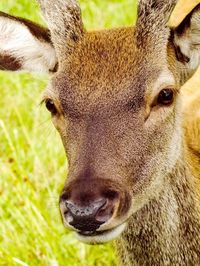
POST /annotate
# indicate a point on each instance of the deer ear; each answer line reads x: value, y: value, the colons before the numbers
x: 187, y: 41
x: 25, y: 45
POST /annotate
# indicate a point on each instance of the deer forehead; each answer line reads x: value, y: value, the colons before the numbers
x: 107, y: 67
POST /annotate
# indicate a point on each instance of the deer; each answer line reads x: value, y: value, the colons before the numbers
x: 115, y: 98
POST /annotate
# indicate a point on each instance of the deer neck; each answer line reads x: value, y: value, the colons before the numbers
x: 167, y: 230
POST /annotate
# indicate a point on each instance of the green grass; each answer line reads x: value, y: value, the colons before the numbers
x: 33, y: 166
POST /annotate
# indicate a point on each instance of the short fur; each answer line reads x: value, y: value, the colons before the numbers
x: 123, y: 145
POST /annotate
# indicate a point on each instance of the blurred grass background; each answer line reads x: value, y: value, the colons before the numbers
x: 33, y: 166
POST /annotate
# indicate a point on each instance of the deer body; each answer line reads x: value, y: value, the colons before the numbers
x: 115, y: 99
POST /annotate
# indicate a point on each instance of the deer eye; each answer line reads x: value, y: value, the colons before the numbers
x: 51, y: 106
x: 165, y: 97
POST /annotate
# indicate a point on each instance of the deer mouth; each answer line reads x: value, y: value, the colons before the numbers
x: 99, y: 237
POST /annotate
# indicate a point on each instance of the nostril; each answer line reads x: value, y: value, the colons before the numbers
x: 69, y: 218
x: 105, y: 213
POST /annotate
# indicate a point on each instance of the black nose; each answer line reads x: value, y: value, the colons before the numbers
x: 88, y: 218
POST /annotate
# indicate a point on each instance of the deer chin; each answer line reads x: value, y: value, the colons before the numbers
x: 100, y: 237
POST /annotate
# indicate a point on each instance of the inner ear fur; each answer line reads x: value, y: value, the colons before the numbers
x: 25, y: 45
x: 186, y: 39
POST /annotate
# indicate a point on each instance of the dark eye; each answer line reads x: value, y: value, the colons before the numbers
x: 166, y: 97
x: 51, y: 106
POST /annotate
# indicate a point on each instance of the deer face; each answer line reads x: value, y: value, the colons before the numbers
x: 116, y: 127
x: 114, y: 99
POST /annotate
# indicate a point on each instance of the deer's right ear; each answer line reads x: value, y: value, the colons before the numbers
x: 25, y: 46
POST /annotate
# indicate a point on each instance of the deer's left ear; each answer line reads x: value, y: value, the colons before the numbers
x: 186, y: 38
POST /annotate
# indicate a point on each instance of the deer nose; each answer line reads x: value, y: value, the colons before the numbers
x: 90, y: 217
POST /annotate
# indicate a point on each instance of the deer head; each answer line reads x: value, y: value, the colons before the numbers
x: 114, y: 98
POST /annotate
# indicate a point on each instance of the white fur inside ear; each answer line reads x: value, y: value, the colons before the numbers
x: 17, y: 41
x: 190, y: 47
x: 189, y: 40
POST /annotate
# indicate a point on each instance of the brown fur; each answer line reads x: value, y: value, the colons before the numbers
x: 65, y: 23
